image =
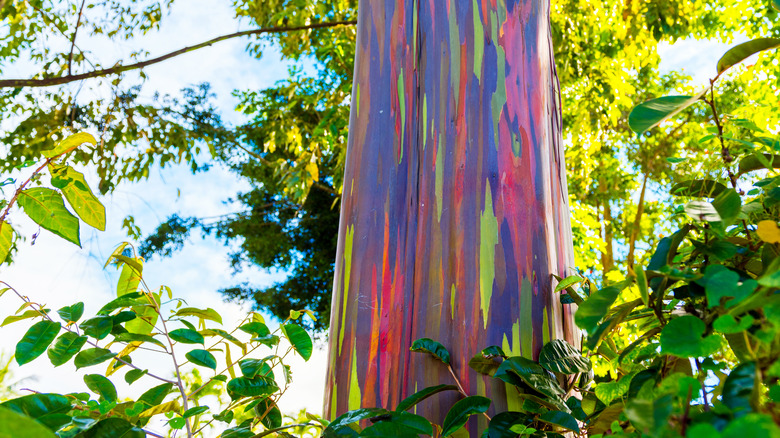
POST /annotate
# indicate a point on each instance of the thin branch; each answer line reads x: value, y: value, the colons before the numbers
x: 48, y: 82
x: 73, y: 40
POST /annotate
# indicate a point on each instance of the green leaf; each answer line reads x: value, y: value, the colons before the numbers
x: 758, y: 161
x: 81, y: 198
x: 501, y: 424
x: 255, y: 328
x: 72, y: 313
x: 202, y: 358
x: 389, y: 429
x: 113, y: 427
x: 423, y: 394
x: 728, y: 325
x: 559, y: 356
x: 36, y: 341
x: 135, y: 337
x: 259, y: 386
x: 92, y: 356
x: 722, y: 283
x: 101, y: 386
x: 251, y: 367
x: 65, y: 348
x: 561, y: 419
x: 651, y: 113
x: 609, y: 391
x: 728, y: 204
x: 568, y: 281
x: 431, y: 347
x: 68, y: 144
x: 740, y: 52
x: 156, y: 395
x: 649, y: 415
x: 641, y: 283
x: 26, y: 315
x: 483, y: 365
x: 299, y: 339
x: 98, y: 327
x: 126, y: 300
x: 6, y: 240
x: 186, y: 336
x: 197, y: 410
x: 461, y: 411
x: 335, y: 428
x: 209, y: 313
x: 13, y: 424
x: 738, y: 389
x: 752, y: 426
x: 531, y: 374
x: 46, y: 408
x: 700, y: 188
x: 682, y: 337
x: 47, y: 209
x: 134, y: 375
x: 269, y: 413
x: 595, y: 307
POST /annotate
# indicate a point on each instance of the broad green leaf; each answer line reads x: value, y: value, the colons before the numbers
x: 156, y: 395
x: 431, y: 347
x: 607, y: 392
x: 259, y: 386
x: 722, y: 286
x: 752, y: 426
x: 728, y: 325
x: 113, y: 427
x: 559, y: 356
x: 123, y: 301
x: 225, y: 335
x: 641, y: 283
x: 47, y: 209
x: 483, y: 365
x: 501, y: 424
x: 269, y: 413
x: 209, y: 313
x: 531, y: 374
x: 135, y: 337
x: 68, y: 144
x: 48, y: 409
x: 202, y: 358
x: 26, y: 315
x: 649, y: 415
x: 461, y: 411
x: 72, y: 313
x: 13, y: 424
x: 299, y: 339
x: 36, y: 341
x: 740, y: 52
x: 651, y: 113
x: 98, y: 327
x: 171, y: 406
x: 702, y: 211
x: 349, y: 418
x: 251, y: 367
x: 67, y: 345
x: 561, y: 419
x: 197, y: 410
x: 101, y: 386
x: 728, y: 204
x: 595, y: 307
x: 399, y: 425
x: 255, y: 328
x: 6, y: 240
x: 421, y: 395
x: 92, y: 356
x: 134, y: 375
x: 81, y: 198
x: 186, y: 336
x: 758, y: 161
x: 738, y: 389
x: 682, y: 337
x: 700, y: 188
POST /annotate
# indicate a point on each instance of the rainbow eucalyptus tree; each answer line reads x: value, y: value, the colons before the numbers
x: 454, y: 211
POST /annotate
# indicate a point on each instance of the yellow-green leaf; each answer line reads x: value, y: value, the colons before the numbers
x: 46, y: 208
x: 6, y: 240
x: 81, y: 198
x: 69, y: 144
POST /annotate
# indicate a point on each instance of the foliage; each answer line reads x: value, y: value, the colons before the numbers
x: 140, y: 318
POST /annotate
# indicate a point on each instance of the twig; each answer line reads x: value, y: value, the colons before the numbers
x: 73, y: 40
x: 48, y: 82
x: 460, y: 387
x: 20, y: 189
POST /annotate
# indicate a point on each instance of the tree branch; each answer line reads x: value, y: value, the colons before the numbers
x: 73, y: 40
x: 49, y: 82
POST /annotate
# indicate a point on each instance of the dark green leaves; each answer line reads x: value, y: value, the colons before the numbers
x: 13, y: 424
x: 431, y: 347
x: 72, y: 313
x: 47, y: 209
x: 531, y: 374
x: 65, y: 348
x: 728, y: 205
x: 134, y: 375
x: 461, y: 411
x: 682, y: 337
x: 595, y: 307
x: 36, y: 341
x: 113, y: 427
x: 651, y: 113
x: 186, y: 336
x: 98, y: 327
x: 101, y: 386
x: 39, y: 406
x: 299, y: 339
x: 699, y: 188
x: 740, y: 52
x: 259, y: 386
x: 202, y: 358
x: 738, y: 388
x: 421, y: 395
x: 559, y: 356
x: 92, y: 356
x: 156, y: 395
x: 561, y: 419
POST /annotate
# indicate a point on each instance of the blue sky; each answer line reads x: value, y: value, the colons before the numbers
x: 196, y: 273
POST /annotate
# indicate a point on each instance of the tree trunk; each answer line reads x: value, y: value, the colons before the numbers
x: 454, y: 211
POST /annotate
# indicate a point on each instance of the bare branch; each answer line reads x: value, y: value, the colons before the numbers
x: 73, y: 40
x: 48, y: 82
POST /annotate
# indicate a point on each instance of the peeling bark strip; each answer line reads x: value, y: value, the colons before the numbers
x: 454, y: 211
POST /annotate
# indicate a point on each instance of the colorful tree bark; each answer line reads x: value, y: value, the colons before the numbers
x: 454, y: 211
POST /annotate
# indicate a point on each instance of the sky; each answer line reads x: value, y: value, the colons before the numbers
x: 57, y: 273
